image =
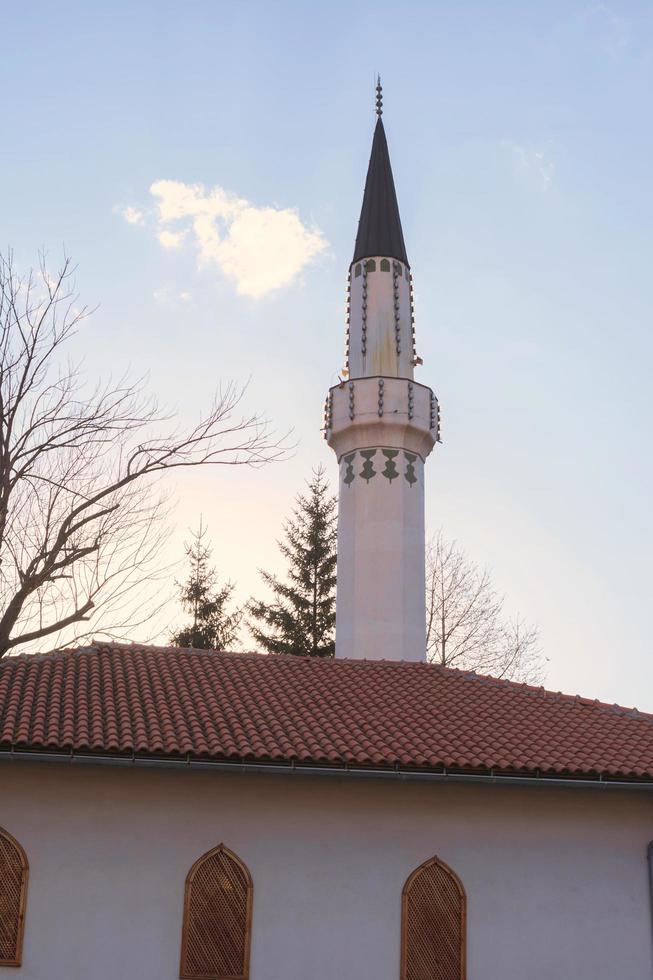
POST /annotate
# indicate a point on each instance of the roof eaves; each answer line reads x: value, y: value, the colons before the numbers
x: 480, y: 776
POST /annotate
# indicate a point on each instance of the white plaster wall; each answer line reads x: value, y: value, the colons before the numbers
x: 380, y: 608
x: 556, y: 879
x: 380, y: 605
x: 377, y: 291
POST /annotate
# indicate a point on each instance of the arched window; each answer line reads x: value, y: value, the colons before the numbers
x: 433, y: 924
x: 216, y: 932
x: 357, y: 270
x: 13, y: 893
x: 370, y: 265
x: 385, y: 265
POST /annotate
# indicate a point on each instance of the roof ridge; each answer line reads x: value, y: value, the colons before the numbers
x: 470, y: 675
x: 546, y: 692
x: 134, y: 647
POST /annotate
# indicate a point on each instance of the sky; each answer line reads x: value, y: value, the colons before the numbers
x: 203, y: 164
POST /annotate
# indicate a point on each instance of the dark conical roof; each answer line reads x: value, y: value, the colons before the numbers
x: 379, y: 226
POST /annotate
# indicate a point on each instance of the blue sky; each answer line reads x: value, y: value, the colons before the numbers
x: 521, y: 142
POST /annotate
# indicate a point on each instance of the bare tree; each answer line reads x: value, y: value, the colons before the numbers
x: 81, y: 511
x: 465, y: 622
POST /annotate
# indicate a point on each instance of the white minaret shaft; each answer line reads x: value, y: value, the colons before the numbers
x: 382, y: 425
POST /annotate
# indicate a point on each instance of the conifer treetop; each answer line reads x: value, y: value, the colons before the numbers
x: 300, y: 618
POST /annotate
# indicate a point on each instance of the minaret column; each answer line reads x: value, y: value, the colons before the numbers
x: 382, y: 429
x: 382, y: 425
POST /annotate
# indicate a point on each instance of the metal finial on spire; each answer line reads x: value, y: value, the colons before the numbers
x: 379, y: 97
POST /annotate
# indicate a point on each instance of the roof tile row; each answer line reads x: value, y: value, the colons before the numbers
x: 119, y: 699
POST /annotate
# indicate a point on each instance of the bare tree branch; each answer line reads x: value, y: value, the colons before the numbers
x: 465, y: 622
x: 82, y: 523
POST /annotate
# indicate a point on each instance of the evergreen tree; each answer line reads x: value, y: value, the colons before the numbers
x: 301, y: 618
x: 212, y: 626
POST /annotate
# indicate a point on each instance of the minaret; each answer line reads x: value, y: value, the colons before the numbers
x: 382, y: 425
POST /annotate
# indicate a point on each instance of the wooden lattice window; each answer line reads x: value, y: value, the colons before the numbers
x: 13, y: 893
x: 216, y: 932
x: 433, y: 924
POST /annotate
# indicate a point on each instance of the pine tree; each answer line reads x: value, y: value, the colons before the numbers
x: 301, y: 619
x: 213, y: 626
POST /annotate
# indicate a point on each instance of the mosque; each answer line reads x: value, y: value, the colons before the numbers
x: 171, y: 813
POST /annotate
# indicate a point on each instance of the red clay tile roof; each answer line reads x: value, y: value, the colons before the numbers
x: 126, y: 700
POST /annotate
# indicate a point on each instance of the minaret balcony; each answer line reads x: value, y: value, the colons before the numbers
x: 396, y: 413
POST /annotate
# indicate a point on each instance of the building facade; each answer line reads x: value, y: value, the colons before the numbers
x: 555, y: 879
x: 324, y: 785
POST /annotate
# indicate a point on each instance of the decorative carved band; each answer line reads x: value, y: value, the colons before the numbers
x: 388, y: 463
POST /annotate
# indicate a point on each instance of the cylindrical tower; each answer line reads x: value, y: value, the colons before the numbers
x: 382, y: 425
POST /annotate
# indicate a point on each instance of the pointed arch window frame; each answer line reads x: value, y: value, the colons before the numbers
x: 17, y: 959
x: 405, y: 894
x: 190, y: 877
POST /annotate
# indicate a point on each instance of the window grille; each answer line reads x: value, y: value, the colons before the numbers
x: 433, y: 924
x: 13, y: 893
x: 217, y: 918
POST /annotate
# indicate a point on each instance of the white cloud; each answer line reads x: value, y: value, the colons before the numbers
x: 260, y: 248
x: 171, y: 239
x: 533, y: 164
x: 133, y: 216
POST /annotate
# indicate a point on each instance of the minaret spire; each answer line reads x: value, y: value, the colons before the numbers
x: 379, y: 225
x: 382, y: 425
